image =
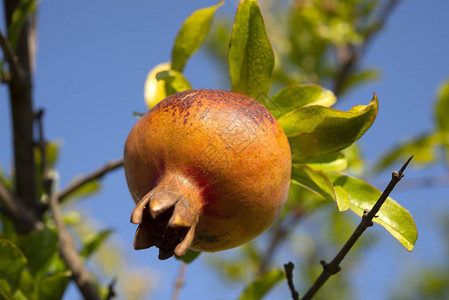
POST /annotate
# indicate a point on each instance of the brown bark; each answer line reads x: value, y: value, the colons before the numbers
x: 20, y: 88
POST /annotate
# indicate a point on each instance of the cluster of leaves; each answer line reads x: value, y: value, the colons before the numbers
x: 320, y: 137
x: 312, y: 40
x: 30, y: 265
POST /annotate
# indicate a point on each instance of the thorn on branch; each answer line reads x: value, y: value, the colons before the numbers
x: 289, y: 274
x: 333, y: 267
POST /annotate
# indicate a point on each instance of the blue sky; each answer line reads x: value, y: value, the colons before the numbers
x: 93, y: 57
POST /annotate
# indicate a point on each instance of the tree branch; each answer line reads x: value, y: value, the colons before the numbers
x: 97, y: 174
x: 289, y: 274
x: 280, y: 232
x: 179, y: 281
x: 333, y: 267
x: 11, y: 58
x: 22, y: 113
x: 69, y: 254
x: 24, y: 220
x: 351, y: 55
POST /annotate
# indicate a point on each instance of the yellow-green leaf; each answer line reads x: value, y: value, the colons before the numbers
x: 423, y: 148
x: 262, y: 285
x: 318, y: 182
x: 442, y: 107
x: 314, y: 131
x: 250, y: 57
x: 191, y: 36
x: 175, y: 82
x: 334, y: 162
x: 295, y: 96
x: 392, y: 216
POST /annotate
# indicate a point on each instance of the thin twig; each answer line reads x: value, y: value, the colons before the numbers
x: 333, y: 267
x: 97, y: 174
x: 279, y: 234
x: 66, y: 245
x: 11, y: 58
x: 289, y: 274
x: 179, y: 281
x: 24, y: 220
x: 71, y: 257
x: 111, y: 290
x: 351, y: 55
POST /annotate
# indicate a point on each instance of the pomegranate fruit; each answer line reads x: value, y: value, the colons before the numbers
x: 208, y: 170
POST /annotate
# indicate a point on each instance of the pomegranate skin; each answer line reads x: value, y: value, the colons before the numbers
x: 208, y: 168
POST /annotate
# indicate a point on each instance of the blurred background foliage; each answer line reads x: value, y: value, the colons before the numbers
x: 314, y: 41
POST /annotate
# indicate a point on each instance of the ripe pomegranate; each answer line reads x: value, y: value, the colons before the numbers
x: 208, y: 169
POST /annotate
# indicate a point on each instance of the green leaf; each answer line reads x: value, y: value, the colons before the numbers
x: 19, y: 16
x: 319, y: 183
x: 191, y: 36
x: 94, y: 242
x: 190, y: 256
x: 333, y: 162
x: 262, y: 285
x: 12, y: 261
x: 250, y: 57
x: 175, y: 82
x: 155, y: 89
x: 87, y: 189
x: 442, y: 107
x: 39, y: 247
x: 53, y: 287
x: 392, y: 216
x: 424, y: 149
x: 51, y: 153
x: 315, y: 131
x: 296, y: 96
x: 12, y: 265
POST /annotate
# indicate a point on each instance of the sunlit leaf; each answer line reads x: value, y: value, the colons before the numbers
x: 51, y: 152
x: 175, y: 82
x: 155, y: 89
x: 19, y: 17
x: 296, y: 96
x: 315, y: 131
x: 191, y: 36
x: 190, y: 256
x: 88, y: 189
x: 94, y: 242
x: 318, y: 182
x: 442, y: 107
x: 262, y: 285
x: 424, y: 149
x: 53, y: 287
x: 251, y: 58
x: 392, y: 216
x: 333, y: 162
